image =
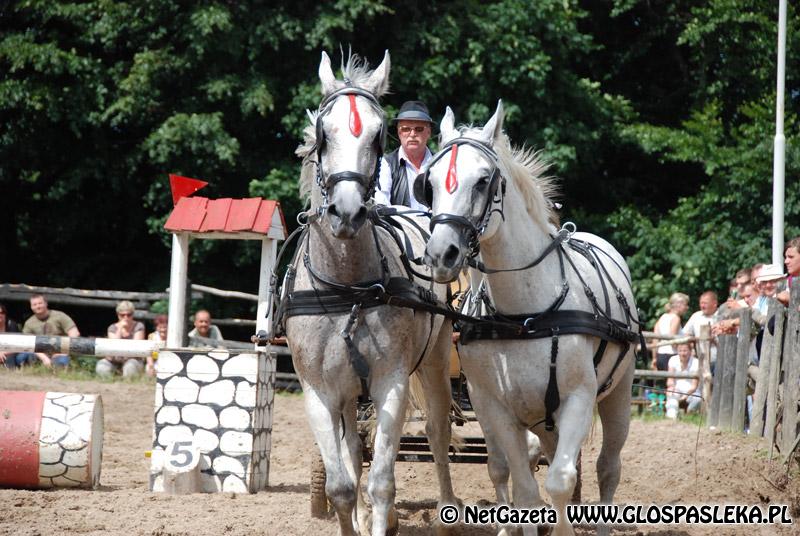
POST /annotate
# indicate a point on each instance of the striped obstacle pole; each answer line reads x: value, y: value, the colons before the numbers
x: 50, y: 440
x: 14, y: 342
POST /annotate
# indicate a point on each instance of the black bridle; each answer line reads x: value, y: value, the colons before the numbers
x: 472, y: 229
x: 369, y: 183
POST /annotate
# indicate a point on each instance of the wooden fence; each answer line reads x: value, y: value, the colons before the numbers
x: 774, y: 412
x: 109, y: 298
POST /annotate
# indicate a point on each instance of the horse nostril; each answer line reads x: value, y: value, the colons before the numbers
x: 332, y: 210
x: 450, y: 256
x: 360, y: 216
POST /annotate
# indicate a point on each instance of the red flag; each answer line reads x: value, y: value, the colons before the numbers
x: 183, y: 186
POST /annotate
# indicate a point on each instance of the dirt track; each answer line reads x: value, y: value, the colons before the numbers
x: 663, y: 462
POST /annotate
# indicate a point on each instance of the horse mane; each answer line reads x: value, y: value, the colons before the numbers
x: 357, y: 72
x: 526, y: 167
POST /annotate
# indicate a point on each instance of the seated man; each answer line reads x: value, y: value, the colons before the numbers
x: 203, y: 328
x: 48, y: 322
x: 683, y: 392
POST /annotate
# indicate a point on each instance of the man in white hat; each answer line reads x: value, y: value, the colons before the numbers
x: 767, y: 280
x: 400, y: 167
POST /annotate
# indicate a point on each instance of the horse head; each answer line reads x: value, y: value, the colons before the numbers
x: 349, y: 136
x: 461, y: 187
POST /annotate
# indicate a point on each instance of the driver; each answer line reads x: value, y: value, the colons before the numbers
x: 400, y: 167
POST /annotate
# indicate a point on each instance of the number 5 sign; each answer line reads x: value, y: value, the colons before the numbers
x: 181, y: 468
x: 182, y: 455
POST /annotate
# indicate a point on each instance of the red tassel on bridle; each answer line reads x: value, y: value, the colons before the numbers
x: 451, y: 183
x: 355, y: 118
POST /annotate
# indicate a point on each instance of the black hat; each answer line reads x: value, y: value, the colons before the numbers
x: 413, y: 111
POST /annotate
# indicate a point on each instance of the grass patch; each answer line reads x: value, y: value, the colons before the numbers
x: 81, y: 368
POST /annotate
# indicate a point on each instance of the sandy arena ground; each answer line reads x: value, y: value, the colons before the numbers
x: 663, y: 462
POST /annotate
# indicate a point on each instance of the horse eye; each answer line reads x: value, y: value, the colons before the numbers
x: 482, y: 183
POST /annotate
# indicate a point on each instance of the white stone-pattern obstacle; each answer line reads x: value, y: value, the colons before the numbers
x: 219, y: 403
x: 71, y: 441
x: 50, y: 440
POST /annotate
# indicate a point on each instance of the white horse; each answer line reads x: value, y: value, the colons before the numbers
x: 344, y: 253
x: 485, y: 195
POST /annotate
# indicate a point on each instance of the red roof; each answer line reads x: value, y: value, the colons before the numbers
x: 231, y: 216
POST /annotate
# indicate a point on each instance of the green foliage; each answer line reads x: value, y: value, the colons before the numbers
x: 727, y: 134
x: 657, y: 116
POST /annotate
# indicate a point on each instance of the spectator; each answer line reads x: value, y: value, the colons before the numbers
x: 767, y: 279
x: 8, y: 326
x: 791, y: 259
x: 400, y: 167
x: 203, y: 328
x: 706, y: 316
x: 128, y: 329
x: 669, y: 323
x: 683, y: 392
x: 160, y: 334
x: 48, y: 322
x: 743, y: 277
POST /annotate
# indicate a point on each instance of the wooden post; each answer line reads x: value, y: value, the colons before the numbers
x: 739, y: 403
x: 774, y: 378
x: 728, y: 344
x: 762, y: 381
x: 177, y: 290
x: 704, y: 354
x: 716, y: 392
x: 790, y: 388
x: 269, y: 249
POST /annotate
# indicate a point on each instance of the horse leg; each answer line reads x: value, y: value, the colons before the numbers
x: 574, y: 421
x: 615, y: 414
x: 508, y: 445
x: 435, y: 378
x: 351, y: 457
x: 340, y: 485
x: 390, y: 398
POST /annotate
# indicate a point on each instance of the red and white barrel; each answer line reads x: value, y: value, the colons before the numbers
x: 50, y: 440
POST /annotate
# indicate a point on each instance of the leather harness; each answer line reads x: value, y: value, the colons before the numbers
x: 338, y: 298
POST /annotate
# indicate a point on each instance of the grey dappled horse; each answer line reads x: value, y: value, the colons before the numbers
x: 342, y: 149
x: 484, y: 193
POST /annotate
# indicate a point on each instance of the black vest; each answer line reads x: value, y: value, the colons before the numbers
x: 399, y: 190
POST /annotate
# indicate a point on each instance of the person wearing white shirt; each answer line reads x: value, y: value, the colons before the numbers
x: 400, y: 167
x: 707, y: 315
x: 683, y: 392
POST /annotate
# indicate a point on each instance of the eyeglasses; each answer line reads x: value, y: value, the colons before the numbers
x: 124, y: 314
x: 407, y: 130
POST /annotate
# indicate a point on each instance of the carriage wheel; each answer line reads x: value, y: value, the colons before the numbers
x: 319, y: 501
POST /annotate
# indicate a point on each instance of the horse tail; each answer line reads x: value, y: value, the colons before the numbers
x: 418, y: 402
x: 416, y: 395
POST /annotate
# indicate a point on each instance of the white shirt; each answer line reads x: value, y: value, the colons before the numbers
x: 383, y: 192
x: 684, y: 385
x: 692, y: 327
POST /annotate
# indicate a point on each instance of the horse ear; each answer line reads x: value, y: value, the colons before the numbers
x: 378, y: 81
x: 494, y: 126
x: 448, y: 126
x: 326, y: 75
